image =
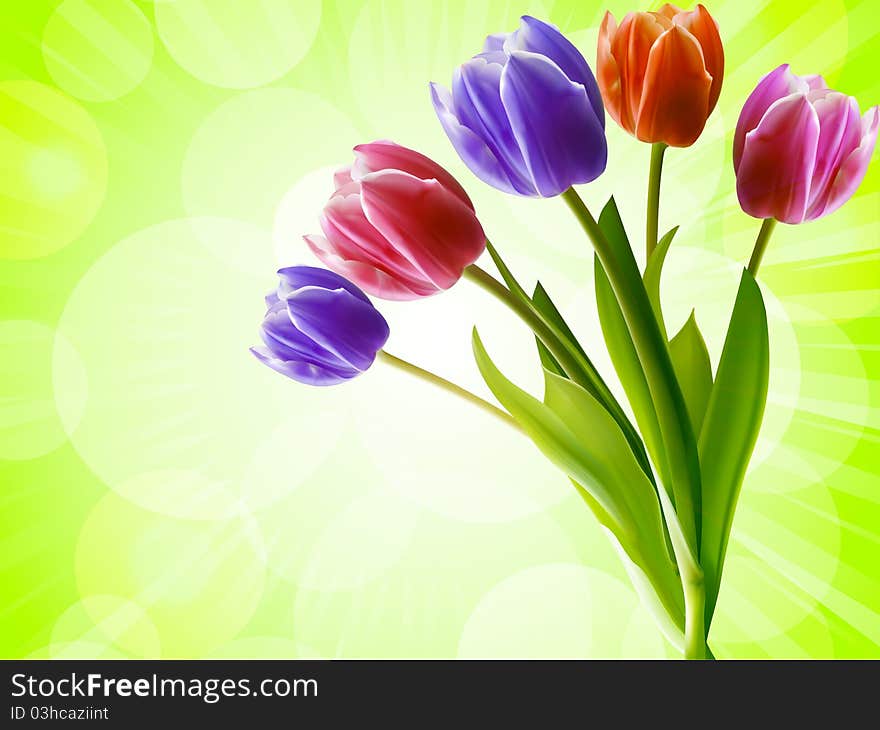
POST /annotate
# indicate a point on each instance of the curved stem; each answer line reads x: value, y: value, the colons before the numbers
x: 653, y: 353
x: 653, y: 212
x: 569, y: 358
x: 761, y: 245
x: 448, y: 386
x: 542, y: 330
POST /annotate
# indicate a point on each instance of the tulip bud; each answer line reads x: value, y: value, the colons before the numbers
x: 660, y: 73
x: 320, y: 329
x: 525, y: 115
x: 398, y: 225
x: 800, y: 149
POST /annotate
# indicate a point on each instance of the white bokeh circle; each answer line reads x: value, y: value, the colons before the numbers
x: 419, y: 606
x: 54, y: 170
x: 238, y: 45
x: 30, y: 426
x: 250, y: 150
x: 560, y: 610
x: 290, y: 454
x: 98, y: 51
x: 436, y: 449
x: 106, y: 619
x: 328, y: 523
x: 297, y: 215
x: 198, y: 581
x: 360, y: 544
x: 177, y: 407
x: 783, y: 556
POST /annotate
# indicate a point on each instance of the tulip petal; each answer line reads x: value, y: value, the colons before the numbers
x: 669, y: 10
x: 370, y: 279
x: 286, y: 342
x: 474, y: 152
x: 778, y: 157
x: 777, y: 84
x: 494, y: 42
x: 631, y: 47
x: 272, y: 300
x: 476, y: 92
x: 385, y: 155
x: 675, y: 99
x: 342, y: 177
x: 840, y: 132
x: 296, y: 277
x: 564, y: 144
x: 704, y: 28
x: 351, y: 329
x: 302, y: 371
x: 354, y: 238
x: 814, y: 82
x: 854, y: 167
x: 544, y: 39
x: 608, y: 74
x: 437, y: 233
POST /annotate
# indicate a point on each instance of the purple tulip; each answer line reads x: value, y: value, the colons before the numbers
x: 320, y: 329
x: 526, y: 115
x: 800, y: 149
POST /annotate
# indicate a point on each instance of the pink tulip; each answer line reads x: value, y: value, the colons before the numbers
x: 800, y: 149
x: 399, y: 226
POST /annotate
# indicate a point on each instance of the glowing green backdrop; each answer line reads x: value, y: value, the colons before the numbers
x: 163, y: 494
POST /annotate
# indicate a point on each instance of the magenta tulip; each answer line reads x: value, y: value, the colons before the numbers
x: 399, y: 225
x: 800, y: 149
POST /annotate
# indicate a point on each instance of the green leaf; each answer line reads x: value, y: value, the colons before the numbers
x: 670, y: 618
x: 690, y: 358
x: 586, y: 373
x: 548, y: 362
x: 596, y: 386
x: 626, y: 363
x: 545, y: 306
x: 651, y: 277
x: 731, y: 425
x: 577, y: 434
x: 676, y: 449
x: 551, y: 314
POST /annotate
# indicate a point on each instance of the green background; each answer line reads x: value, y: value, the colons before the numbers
x: 162, y: 494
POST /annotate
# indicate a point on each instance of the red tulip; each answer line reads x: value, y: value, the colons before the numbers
x: 399, y: 225
x: 660, y: 73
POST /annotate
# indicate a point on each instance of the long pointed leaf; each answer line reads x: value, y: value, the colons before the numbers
x: 690, y: 358
x: 730, y: 429
x: 584, y: 371
x: 651, y: 277
x: 626, y: 363
x: 580, y: 437
x: 669, y: 618
x: 544, y: 304
x: 597, y: 386
x: 548, y: 310
x: 678, y: 440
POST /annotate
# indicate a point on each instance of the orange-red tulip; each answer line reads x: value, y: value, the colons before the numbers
x: 660, y: 73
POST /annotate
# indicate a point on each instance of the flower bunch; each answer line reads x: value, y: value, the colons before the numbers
x: 527, y: 116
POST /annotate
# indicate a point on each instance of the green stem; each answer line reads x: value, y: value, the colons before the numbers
x: 694, y: 608
x: 527, y: 314
x: 448, y: 386
x: 653, y: 353
x: 761, y: 245
x: 653, y: 214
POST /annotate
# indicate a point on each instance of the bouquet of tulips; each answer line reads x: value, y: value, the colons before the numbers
x: 527, y: 116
